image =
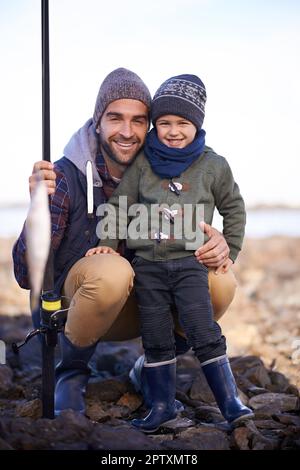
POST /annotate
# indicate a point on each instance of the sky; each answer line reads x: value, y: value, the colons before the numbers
x: 245, y: 51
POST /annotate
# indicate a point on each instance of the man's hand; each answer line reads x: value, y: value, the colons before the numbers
x: 214, y: 253
x: 43, y: 170
x: 103, y: 250
x: 224, y: 267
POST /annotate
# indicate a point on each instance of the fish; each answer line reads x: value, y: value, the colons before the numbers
x: 38, y: 239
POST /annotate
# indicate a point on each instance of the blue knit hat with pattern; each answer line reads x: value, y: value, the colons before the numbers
x: 183, y: 95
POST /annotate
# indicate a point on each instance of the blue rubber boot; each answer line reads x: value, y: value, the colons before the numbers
x: 161, y: 380
x: 72, y: 375
x: 222, y: 383
x: 138, y: 378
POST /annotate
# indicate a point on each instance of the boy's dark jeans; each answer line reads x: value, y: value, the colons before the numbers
x: 184, y: 283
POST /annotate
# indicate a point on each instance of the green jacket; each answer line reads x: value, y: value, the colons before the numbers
x: 208, y: 182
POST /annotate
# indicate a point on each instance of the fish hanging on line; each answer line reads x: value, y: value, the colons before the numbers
x: 38, y: 239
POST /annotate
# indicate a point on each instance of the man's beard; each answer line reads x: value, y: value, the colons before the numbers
x: 109, y: 152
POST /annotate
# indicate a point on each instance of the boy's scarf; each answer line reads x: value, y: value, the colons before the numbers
x: 169, y: 162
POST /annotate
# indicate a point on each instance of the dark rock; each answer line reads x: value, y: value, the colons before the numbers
x: 178, y: 424
x: 241, y: 364
x: 268, y: 424
x: 240, y: 439
x: 253, y: 391
x: 209, y: 414
x: 14, y: 328
x: 287, y: 419
x: 293, y: 390
x: 131, y: 400
x: 220, y: 425
x: 185, y: 379
x: 72, y: 420
x: 187, y: 400
x: 258, y: 375
x: 200, y: 389
x: 119, y: 411
x: 29, y: 355
x: 112, y: 402
x: 291, y: 442
x: 96, y: 412
x: 123, y: 437
x: 266, y: 412
x: 244, y: 398
x: 279, y: 383
x: 258, y: 440
x: 203, y: 438
x: 17, y: 392
x: 244, y: 384
x: 106, y: 390
x: 31, y: 409
x: 114, y: 359
x: 280, y: 401
x: 6, y: 375
x: 4, y: 445
x: 70, y: 446
x: 161, y: 438
x: 189, y: 362
x: 181, y: 444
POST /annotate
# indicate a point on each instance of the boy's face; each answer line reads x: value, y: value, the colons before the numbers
x: 175, y: 131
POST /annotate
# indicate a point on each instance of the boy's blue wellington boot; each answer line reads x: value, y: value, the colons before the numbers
x: 161, y: 380
x: 138, y: 378
x: 72, y: 375
x: 222, y: 383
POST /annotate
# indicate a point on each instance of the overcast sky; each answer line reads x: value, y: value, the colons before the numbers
x: 245, y: 51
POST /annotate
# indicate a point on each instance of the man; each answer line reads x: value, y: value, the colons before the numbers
x: 98, y: 287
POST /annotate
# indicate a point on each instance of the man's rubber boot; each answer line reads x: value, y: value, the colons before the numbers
x: 72, y: 375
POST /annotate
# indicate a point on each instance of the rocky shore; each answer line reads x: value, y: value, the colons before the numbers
x: 262, y: 328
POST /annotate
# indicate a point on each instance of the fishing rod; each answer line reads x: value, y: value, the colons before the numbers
x: 52, y: 317
x: 50, y: 302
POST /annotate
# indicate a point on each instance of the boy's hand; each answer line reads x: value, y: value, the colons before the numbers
x: 224, y: 267
x: 103, y: 250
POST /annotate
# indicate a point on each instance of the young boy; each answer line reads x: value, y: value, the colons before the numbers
x: 176, y: 172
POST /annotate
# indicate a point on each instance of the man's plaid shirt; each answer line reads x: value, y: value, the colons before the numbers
x: 59, y: 208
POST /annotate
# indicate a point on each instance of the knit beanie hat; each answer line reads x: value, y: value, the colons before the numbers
x: 120, y: 84
x: 183, y: 95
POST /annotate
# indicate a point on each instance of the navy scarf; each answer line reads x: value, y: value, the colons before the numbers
x: 169, y: 162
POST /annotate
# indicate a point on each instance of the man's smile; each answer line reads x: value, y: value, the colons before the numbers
x: 125, y: 145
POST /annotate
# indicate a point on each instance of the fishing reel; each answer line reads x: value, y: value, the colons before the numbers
x: 52, y: 318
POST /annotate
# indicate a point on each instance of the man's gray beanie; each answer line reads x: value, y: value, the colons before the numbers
x: 120, y: 84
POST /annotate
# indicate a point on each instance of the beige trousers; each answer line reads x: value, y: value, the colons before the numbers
x: 98, y: 290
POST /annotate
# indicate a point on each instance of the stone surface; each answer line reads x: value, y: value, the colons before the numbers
x: 131, y: 400
x: 6, y: 375
x: 280, y: 401
x: 31, y: 409
x: 203, y: 438
x: 262, y: 330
